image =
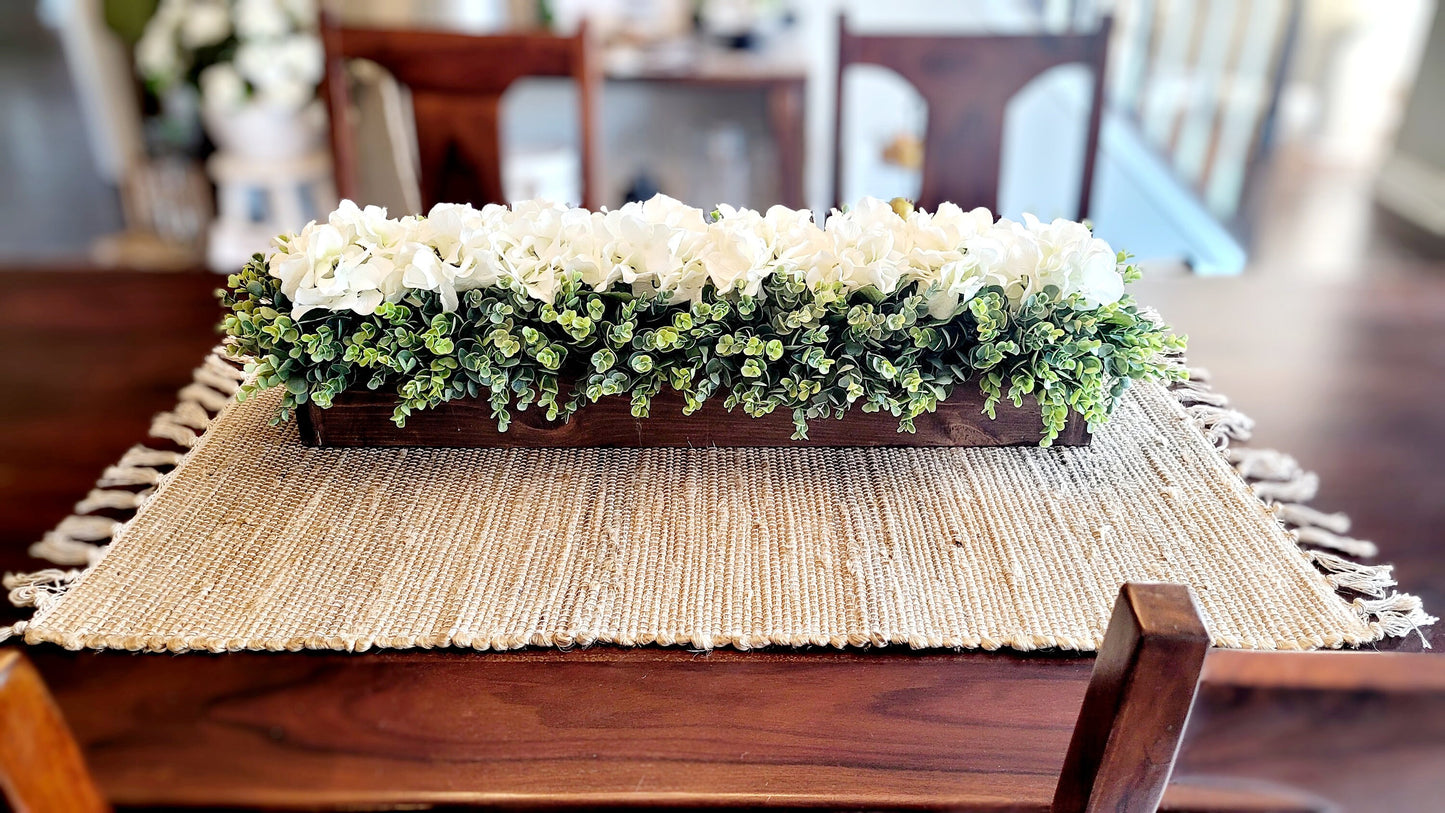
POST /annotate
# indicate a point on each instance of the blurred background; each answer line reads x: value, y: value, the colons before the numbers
x: 1234, y: 135
x: 1277, y: 165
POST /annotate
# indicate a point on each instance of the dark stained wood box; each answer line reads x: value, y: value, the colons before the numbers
x: 363, y: 418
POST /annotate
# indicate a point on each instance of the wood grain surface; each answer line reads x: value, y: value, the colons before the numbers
x: 1361, y: 739
x: 363, y: 418
x: 600, y: 726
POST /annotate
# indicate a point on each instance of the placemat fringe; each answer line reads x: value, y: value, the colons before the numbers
x: 1343, y: 574
x: 1298, y: 489
x: 1396, y: 615
x: 1310, y: 535
x: 39, y: 590
x: 83, y: 538
x: 113, y: 499
x: 1263, y: 464
x: 73, y: 540
x: 1282, y: 484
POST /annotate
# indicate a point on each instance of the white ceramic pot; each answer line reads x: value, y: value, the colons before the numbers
x: 266, y: 132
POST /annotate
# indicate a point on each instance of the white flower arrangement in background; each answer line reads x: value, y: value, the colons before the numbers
x: 236, y: 51
x: 360, y: 258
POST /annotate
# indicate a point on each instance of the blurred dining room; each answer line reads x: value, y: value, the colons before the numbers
x: 595, y: 350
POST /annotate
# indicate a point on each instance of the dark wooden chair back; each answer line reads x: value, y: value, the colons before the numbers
x: 456, y: 83
x: 40, y: 764
x: 967, y: 82
x: 1139, y: 696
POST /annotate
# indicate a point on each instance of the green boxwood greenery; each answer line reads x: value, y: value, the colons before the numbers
x: 816, y: 353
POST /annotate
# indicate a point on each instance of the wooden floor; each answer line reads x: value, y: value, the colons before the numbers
x: 1347, y: 375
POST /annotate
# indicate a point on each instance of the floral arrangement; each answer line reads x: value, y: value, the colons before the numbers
x: 882, y: 306
x: 236, y: 51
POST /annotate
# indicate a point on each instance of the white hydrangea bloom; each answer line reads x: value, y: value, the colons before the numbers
x: 869, y: 247
x: 796, y: 240
x: 158, y: 52
x: 1071, y: 257
x: 360, y: 258
x: 257, y: 19
x: 300, y: 9
x: 222, y: 86
x: 738, y: 253
x: 633, y: 250
x: 270, y: 67
x: 271, y: 46
x: 354, y: 261
x: 302, y: 58
x: 953, y: 254
x: 682, y: 273
x: 543, y: 240
x: 205, y: 23
x: 465, y: 239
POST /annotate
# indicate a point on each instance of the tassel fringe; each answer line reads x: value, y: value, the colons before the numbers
x: 82, y: 539
x: 143, y: 456
x: 1221, y: 422
x: 137, y: 467
x: 1263, y: 464
x: 1285, y: 486
x: 66, y: 550
x: 1192, y: 392
x: 1294, y: 513
x: 1342, y: 574
x: 1344, y: 544
x: 1396, y: 615
x: 212, y: 399
x: 40, y: 589
x: 167, y: 426
x: 1301, y: 488
x: 102, y: 499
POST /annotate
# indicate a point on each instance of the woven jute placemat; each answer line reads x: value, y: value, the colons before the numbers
x: 248, y: 540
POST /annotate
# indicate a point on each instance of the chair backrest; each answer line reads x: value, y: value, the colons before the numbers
x: 456, y: 83
x: 1139, y: 697
x: 40, y: 764
x: 967, y: 82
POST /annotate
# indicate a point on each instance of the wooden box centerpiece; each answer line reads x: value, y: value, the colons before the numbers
x: 365, y: 419
x: 657, y: 324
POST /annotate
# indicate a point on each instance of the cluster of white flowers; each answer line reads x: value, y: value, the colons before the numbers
x: 360, y: 258
x: 277, y: 58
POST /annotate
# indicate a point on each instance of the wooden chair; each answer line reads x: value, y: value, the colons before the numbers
x: 967, y: 82
x: 40, y: 765
x: 456, y: 83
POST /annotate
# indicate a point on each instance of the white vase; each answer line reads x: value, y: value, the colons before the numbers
x: 272, y: 174
x: 266, y: 132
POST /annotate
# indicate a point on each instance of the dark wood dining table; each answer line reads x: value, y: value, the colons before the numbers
x: 1347, y: 375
